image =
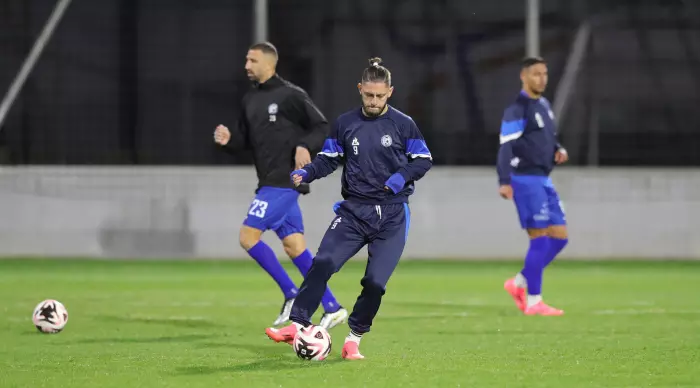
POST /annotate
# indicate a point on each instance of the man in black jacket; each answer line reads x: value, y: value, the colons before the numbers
x: 281, y: 125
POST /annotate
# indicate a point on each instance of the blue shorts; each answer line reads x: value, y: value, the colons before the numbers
x: 537, y: 202
x: 277, y: 209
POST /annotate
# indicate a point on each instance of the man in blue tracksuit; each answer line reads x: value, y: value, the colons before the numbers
x: 384, y: 154
x: 529, y: 150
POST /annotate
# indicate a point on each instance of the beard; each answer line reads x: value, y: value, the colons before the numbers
x: 538, y: 89
x: 373, y: 111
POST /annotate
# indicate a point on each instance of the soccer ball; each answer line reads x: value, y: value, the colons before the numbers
x: 312, y: 343
x: 50, y: 316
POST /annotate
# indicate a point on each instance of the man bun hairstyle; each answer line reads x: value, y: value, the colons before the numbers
x: 376, y: 72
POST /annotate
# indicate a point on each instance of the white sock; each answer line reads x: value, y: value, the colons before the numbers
x: 298, y: 325
x: 520, y: 281
x: 354, y: 337
x: 533, y: 300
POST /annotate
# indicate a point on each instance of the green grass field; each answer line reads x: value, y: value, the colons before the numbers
x: 442, y: 324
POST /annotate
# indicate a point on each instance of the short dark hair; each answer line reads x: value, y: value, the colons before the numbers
x: 265, y: 47
x: 376, y: 72
x: 531, y: 61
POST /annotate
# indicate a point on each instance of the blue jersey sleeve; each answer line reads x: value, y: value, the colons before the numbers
x: 328, y: 160
x: 513, y: 123
x: 512, y: 127
x: 420, y: 160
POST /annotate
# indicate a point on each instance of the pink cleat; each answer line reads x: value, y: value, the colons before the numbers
x: 285, y: 334
x: 351, y: 351
x: 517, y: 293
x: 542, y: 309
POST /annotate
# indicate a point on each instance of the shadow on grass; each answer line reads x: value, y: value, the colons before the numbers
x: 272, y: 364
x: 266, y: 350
x: 173, y: 321
x: 146, y: 340
x: 418, y: 317
x: 34, y: 332
x: 432, y: 311
x: 432, y: 306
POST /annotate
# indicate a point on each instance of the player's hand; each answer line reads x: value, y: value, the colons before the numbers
x: 298, y: 176
x: 395, y: 183
x: 561, y: 156
x: 222, y: 135
x: 506, y: 191
x: 302, y: 157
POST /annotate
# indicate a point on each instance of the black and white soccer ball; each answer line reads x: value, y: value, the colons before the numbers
x: 50, y: 316
x: 312, y: 343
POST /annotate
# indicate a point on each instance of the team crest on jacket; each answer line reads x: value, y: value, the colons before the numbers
x: 272, y: 111
x: 386, y: 140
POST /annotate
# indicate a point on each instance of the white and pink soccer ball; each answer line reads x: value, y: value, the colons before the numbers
x: 312, y: 343
x: 50, y: 316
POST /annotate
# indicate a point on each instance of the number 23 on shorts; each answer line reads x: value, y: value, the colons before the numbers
x: 258, y: 208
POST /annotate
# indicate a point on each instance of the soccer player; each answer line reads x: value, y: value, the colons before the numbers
x: 384, y: 155
x: 529, y: 150
x: 280, y: 123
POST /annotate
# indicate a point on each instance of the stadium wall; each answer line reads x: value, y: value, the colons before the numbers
x: 190, y: 212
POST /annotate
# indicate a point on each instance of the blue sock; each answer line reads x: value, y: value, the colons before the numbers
x: 534, y: 264
x: 264, y: 255
x: 303, y: 262
x: 555, y: 246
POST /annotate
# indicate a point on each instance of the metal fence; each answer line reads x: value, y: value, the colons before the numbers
x: 144, y: 82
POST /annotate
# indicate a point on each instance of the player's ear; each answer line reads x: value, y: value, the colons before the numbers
x: 359, y: 87
x: 269, y: 61
x: 391, y: 90
x: 272, y: 62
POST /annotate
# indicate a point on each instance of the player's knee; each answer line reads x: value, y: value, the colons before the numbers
x: 373, y: 286
x: 292, y: 251
x: 324, y: 264
x: 294, y: 245
x: 248, y: 238
x: 558, y: 232
x: 535, y: 233
x: 248, y: 243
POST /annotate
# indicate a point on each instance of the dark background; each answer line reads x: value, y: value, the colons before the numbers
x: 146, y: 81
